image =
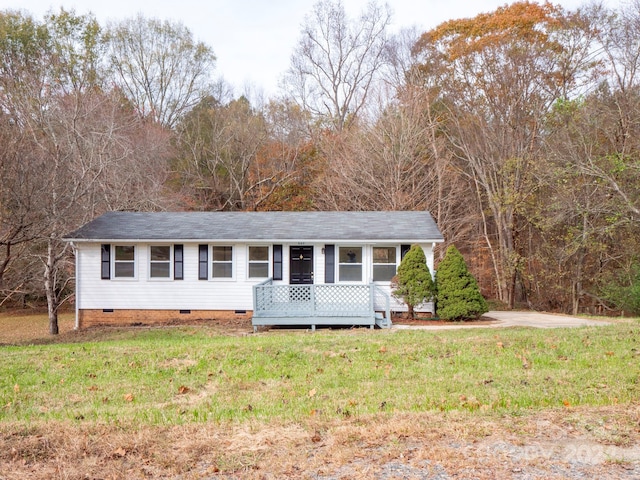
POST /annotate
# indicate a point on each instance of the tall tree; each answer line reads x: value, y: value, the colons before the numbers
x: 499, y: 75
x: 589, y: 191
x: 338, y: 60
x: 159, y: 67
x: 80, y: 145
x: 218, y: 144
x: 22, y: 43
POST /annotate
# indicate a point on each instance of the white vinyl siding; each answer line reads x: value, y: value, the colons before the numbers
x: 141, y: 292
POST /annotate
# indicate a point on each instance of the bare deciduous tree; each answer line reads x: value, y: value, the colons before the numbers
x: 337, y: 61
x: 159, y: 67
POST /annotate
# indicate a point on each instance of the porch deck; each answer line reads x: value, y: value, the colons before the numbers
x: 320, y: 304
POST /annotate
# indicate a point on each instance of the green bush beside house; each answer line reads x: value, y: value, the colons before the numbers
x: 413, y: 283
x: 458, y: 296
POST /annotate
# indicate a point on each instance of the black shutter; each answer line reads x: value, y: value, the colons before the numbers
x: 277, y: 262
x: 203, y: 262
x: 178, y: 262
x: 403, y: 250
x: 329, y: 264
x: 105, y: 270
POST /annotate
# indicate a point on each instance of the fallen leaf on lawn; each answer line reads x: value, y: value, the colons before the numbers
x: 119, y: 452
x: 383, y: 349
x: 312, y: 392
x: 128, y: 397
x: 182, y: 390
x: 16, y: 388
x: 566, y: 403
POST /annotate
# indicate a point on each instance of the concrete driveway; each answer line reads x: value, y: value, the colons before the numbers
x: 516, y: 319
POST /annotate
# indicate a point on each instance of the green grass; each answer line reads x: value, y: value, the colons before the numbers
x: 193, y: 374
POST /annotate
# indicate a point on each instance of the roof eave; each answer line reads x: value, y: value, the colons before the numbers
x: 255, y: 240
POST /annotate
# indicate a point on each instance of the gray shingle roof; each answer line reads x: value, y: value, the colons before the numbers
x: 279, y: 226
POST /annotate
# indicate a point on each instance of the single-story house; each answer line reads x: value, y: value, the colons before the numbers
x: 282, y: 268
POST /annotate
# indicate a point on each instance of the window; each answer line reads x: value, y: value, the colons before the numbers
x: 124, y: 261
x: 222, y: 262
x: 384, y: 263
x: 258, y: 262
x: 160, y: 261
x: 350, y: 264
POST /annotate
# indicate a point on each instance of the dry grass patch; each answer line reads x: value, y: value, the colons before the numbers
x: 551, y: 444
x: 20, y: 326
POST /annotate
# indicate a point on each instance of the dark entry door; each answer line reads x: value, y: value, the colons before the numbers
x: 301, y: 265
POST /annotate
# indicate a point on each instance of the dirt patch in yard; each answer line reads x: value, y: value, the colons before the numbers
x: 20, y: 327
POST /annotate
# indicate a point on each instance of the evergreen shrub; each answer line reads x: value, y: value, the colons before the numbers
x: 458, y: 296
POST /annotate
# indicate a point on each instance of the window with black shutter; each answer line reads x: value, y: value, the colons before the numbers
x: 329, y: 263
x: 178, y: 262
x: 203, y: 261
x: 105, y: 269
x: 277, y: 262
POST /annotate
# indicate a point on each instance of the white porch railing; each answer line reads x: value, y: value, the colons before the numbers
x: 320, y: 304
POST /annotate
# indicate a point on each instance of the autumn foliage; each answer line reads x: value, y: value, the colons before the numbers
x: 516, y: 128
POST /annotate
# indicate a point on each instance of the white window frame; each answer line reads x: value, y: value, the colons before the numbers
x: 114, y: 262
x: 360, y: 263
x: 373, y: 263
x: 170, y: 261
x: 267, y: 261
x: 212, y: 261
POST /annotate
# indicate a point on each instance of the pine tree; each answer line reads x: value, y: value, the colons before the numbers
x: 458, y: 294
x: 413, y: 283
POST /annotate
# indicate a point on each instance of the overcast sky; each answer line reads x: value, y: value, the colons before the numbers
x: 253, y: 39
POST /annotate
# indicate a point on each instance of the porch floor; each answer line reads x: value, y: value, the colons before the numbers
x: 322, y: 304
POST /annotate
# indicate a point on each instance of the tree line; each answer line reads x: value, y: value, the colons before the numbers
x: 518, y: 129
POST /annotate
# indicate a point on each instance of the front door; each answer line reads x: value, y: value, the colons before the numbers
x: 301, y: 265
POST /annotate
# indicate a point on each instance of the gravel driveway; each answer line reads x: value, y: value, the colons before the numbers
x: 516, y: 319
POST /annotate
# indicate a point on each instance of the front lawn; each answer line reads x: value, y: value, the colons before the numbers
x: 194, y: 374
x: 197, y: 402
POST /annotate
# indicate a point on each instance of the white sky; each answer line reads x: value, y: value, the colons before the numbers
x: 254, y: 39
